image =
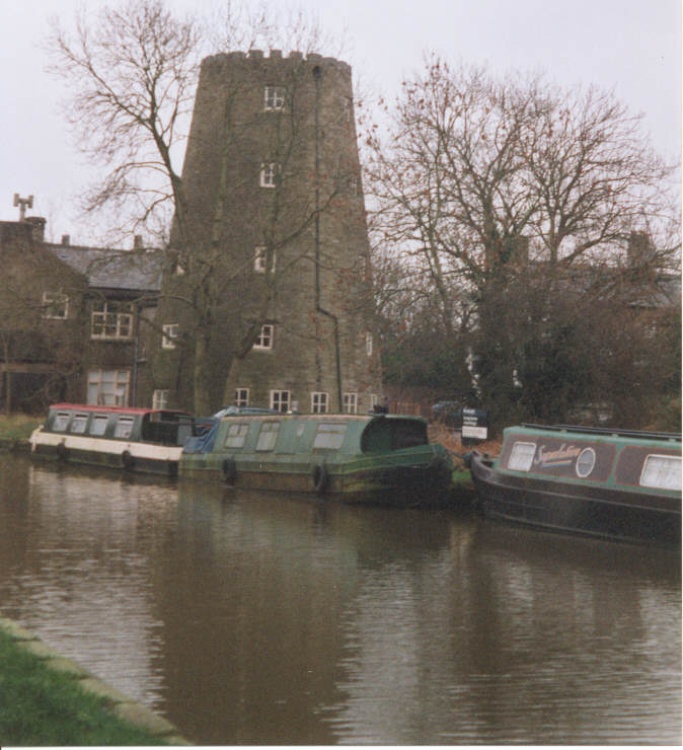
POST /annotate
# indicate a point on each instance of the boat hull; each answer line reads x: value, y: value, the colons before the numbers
x: 605, y: 512
x: 389, y: 483
x: 134, y: 457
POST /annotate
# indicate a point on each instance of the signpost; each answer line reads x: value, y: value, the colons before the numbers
x: 475, y: 425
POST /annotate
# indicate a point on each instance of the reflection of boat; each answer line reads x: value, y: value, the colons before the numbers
x: 148, y: 440
x: 614, y: 484
x: 374, y: 458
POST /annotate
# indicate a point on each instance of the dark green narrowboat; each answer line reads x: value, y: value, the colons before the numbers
x: 614, y: 484
x: 379, y: 459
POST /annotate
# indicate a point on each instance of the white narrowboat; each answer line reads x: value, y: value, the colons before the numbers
x: 134, y: 439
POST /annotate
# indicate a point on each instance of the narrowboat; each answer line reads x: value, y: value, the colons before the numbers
x: 135, y: 439
x: 378, y: 459
x: 622, y: 485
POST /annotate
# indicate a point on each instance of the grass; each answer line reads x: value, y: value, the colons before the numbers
x: 40, y: 706
x: 17, y: 426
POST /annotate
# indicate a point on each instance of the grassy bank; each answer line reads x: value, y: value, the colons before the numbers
x: 43, y: 706
x: 17, y: 427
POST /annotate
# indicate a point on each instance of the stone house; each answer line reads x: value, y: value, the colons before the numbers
x: 75, y: 320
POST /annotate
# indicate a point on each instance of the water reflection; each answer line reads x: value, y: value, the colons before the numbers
x: 252, y: 618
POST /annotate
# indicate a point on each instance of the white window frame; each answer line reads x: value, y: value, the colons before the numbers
x: 368, y: 344
x: 108, y: 387
x: 261, y: 260
x: 269, y: 174
x: 320, y: 402
x: 280, y: 400
x: 55, y: 305
x: 274, y: 98
x: 350, y: 403
x: 242, y: 396
x: 112, y: 321
x: 160, y: 398
x: 266, y: 337
x: 170, y: 332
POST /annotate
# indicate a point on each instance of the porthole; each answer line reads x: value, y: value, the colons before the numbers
x: 585, y: 463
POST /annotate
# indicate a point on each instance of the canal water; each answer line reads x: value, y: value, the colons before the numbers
x: 261, y: 619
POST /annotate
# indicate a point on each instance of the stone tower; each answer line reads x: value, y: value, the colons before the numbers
x: 267, y: 296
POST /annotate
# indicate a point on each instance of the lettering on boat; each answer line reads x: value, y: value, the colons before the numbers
x: 563, y: 456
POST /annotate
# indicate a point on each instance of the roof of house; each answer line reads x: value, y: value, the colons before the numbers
x: 113, y: 269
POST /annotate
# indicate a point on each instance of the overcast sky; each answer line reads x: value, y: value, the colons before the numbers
x: 631, y: 47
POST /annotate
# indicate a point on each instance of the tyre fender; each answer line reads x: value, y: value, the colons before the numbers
x: 127, y: 461
x: 62, y: 452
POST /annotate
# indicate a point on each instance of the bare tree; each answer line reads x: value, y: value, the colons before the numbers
x: 491, y: 187
x: 133, y: 72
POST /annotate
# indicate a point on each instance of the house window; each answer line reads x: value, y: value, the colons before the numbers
x: 320, y: 403
x: 108, y: 387
x: 350, y: 403
x: 274, y: 97
x: 368, y: 344
x: 55, y: 305
x: 160, y: 398
x: 269, y: 174
x: 171, y: 331
x: 112, y: 320
x: 241, y: 397
x: 265, y: 338
x: 261, y: 260
x: 280, y: 400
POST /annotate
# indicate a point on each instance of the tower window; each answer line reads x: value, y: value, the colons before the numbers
x: 265, y: 337
x: 261, y: 260
x: 350, y: 403
x: 274, y: 97
x: 269, y: 174
x: 280, y: 400
x: 320, y: 403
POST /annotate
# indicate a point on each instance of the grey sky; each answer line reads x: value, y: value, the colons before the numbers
x: 631, y: 47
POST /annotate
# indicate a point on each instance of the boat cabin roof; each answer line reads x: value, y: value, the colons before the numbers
x: 627, y: 458
x: 348, y: 434
x: 113, y: 409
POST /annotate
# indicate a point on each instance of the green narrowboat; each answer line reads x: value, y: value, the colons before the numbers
x: 378, y: 459
x: 614, y: 484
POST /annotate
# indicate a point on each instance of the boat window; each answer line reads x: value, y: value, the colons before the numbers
x: 98, y: 426
x: 407, y: 434
x: 521, y: 456
x: 61, y: 421
x: 329, y: 436
x: 383, y: 435
x: 662, y: 472
x: 267, y: 436
x: 585, y: 463
x: 79, y: 423
x: 124, y: 427
x: 237, y: 435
